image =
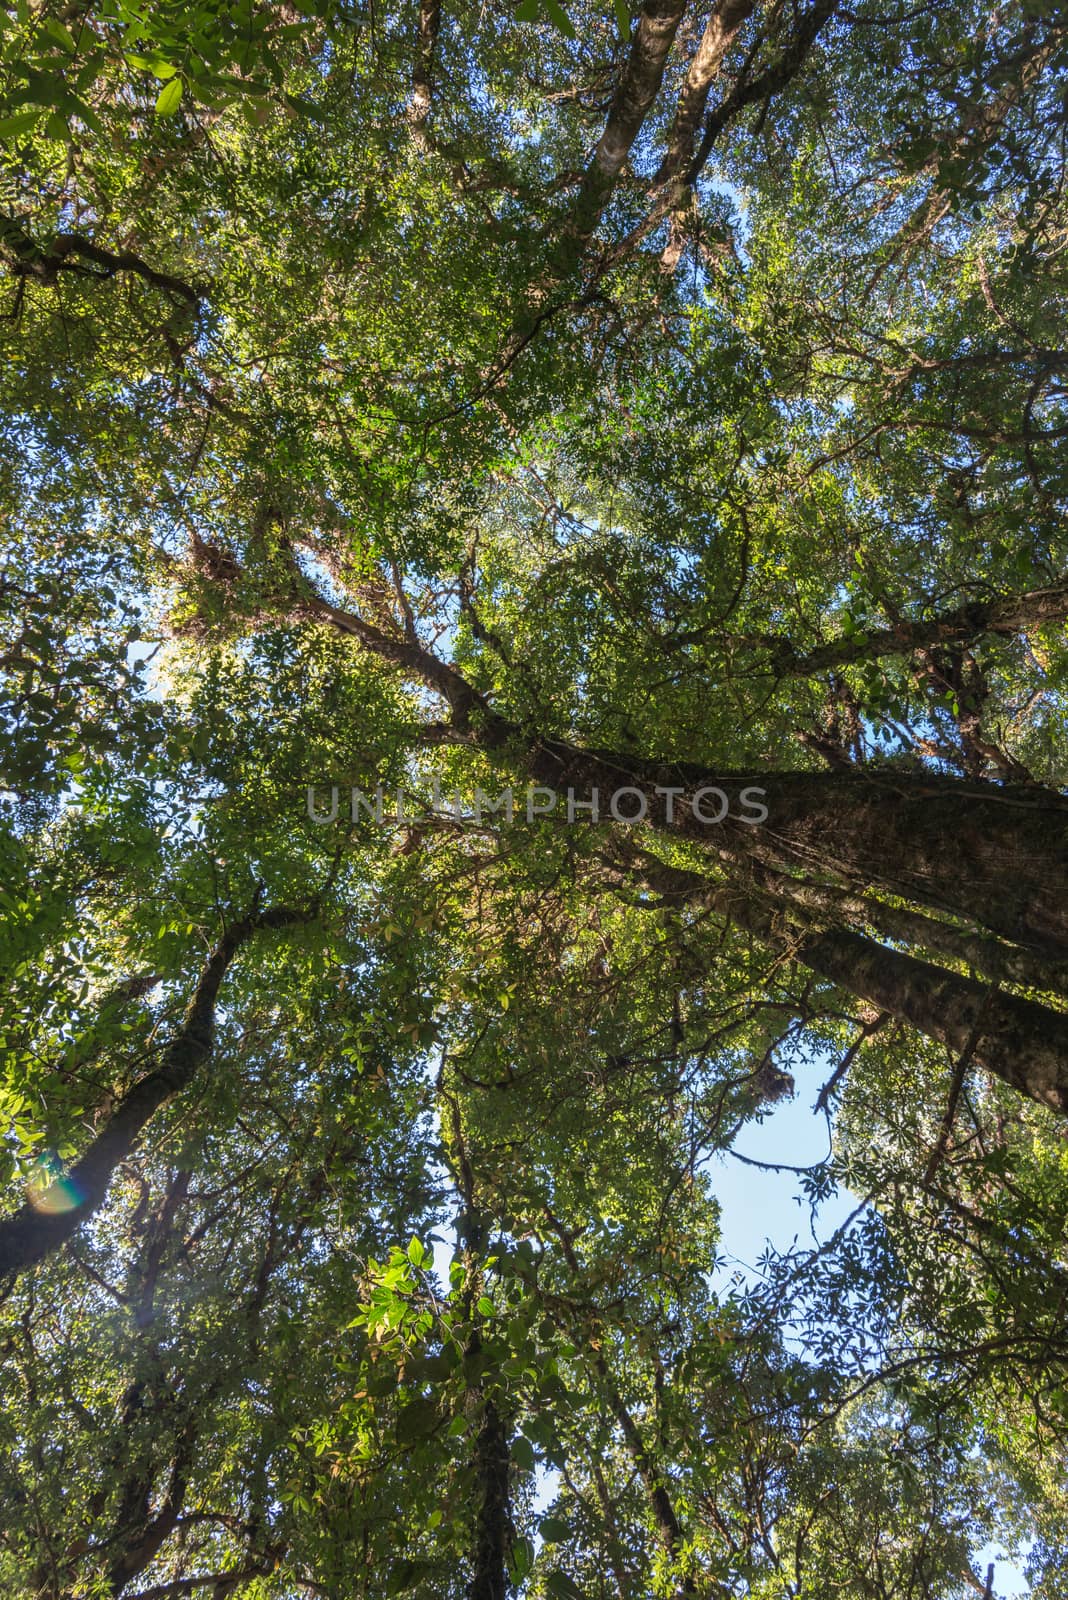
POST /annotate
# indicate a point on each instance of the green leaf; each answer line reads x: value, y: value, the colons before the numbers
x: 523, y: 1453
x: 168, y: 98
x: 564, y: 1588
x: 157, y: 65
x: 21, y: 122
x: 554, y: 1530
x: 61, y: 35
x: 416, y: 1253
x: 521, y: 1561
x: 403, y: 1575
x: 622, y: 17
x: 558, y: 17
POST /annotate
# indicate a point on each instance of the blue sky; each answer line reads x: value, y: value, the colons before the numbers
x: 760, y: 1206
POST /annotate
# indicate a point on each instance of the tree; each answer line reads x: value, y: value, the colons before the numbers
x: 647, y: 428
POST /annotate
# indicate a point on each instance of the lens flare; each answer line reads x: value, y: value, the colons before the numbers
x: 50, y: 1190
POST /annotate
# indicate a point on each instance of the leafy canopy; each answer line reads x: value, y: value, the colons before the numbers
x: 579, y: 397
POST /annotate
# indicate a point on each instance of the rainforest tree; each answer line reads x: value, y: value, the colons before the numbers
x: 635, y: 439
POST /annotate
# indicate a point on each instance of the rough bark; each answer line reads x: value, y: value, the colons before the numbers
x: 1023, y: 1043
x: 493, y: 1528
x: 1000, y: 962
x: 993, y: 854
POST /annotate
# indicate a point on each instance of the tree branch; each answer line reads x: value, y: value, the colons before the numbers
x: 27, y: 259
x: 30, y: 1234
x: 747, y: 92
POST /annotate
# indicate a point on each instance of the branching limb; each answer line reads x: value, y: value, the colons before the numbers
x: 30, y: 1234
x: 69, y: 252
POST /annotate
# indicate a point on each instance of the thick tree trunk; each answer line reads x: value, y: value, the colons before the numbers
x: 1024, y: 1044
x: 995, y: 855
x: 993, y: 959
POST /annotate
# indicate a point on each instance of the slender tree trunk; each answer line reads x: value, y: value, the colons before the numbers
x: 30, y: 1234
x: 749, y: 91
x: 1003, y: 616
x: 493, y: 1528
x: 668, y: 1527
x: 721, y: 30
x: 631, y: 104
x: 422, y: 87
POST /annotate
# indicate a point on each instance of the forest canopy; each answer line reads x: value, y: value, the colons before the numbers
x: 657, y: 415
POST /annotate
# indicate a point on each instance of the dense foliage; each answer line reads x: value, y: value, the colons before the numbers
x: 567, y: 400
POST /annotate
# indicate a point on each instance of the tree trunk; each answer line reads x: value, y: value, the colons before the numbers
x: 493, y: 1529
x: 30, y: 1234
x: 1024, y: 1044
x: 1003, y: 616
x: 995, y: 855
